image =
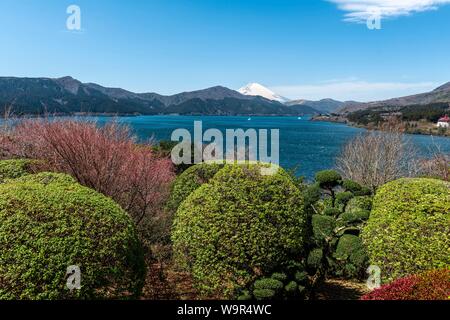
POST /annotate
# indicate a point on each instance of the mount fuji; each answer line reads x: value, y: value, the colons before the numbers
x: 256, y: 89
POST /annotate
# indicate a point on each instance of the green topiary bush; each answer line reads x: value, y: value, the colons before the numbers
x: 279, y: 276
x: 264, y: 294
x: 12, y: 169
x: 46, y: 178
x: 359, y: 203
x: 291, y: 288
x: 351, y: 255
x: 353, y: 217
x: 343, y: 198
x: 271, y: 288
x: 332, y: 212
x: 315, y: 258
x: 323, y: 227
x: 337, y: 210
x: 328, y: 178
x: 269, y: 283
x: 189, y: 181
x: 48, y: 225
x: 352, y: 186
x: 280, y: 286
x: 237, y: 227
x: 409, y: 227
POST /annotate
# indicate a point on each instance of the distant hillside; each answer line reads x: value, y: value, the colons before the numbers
x: 69, y: 96
x: 438, y: 95
x: 305, y: 109
x: 324, y: 105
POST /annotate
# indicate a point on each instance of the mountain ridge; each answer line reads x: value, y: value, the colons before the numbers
x: 324, y: 105
x: 439, y: 95
x: 67, y: 95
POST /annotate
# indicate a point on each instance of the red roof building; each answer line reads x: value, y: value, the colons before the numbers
x: 444, y: 122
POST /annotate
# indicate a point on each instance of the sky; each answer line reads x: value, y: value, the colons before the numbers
x: 301, y: 49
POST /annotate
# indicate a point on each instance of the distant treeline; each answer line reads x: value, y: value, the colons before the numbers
x: 430, y: 112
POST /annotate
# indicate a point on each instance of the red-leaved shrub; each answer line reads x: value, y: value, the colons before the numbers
x: 106, y: 159
x: 431, y: 285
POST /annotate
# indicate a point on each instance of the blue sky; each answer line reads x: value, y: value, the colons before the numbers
x: 301, y: 49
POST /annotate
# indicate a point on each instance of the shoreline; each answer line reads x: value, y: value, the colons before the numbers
x: 343, y: 120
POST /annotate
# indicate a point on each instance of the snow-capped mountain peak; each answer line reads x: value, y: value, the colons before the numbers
x: 255, y: 89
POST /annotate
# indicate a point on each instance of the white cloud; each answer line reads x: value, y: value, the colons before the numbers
x: 361, y: 10
x: 354, y: 90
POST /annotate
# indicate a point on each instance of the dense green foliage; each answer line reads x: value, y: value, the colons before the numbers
x: 11, y: 169
x: 323, y: 227
x: 409, y: 227
x: 273, y: 288
x: 46, y: 178
x: 293, y: 283
x: 48, y: 223
x: 189, y: 181
x: 360, y: 203
x: 328, y: 179
x: 237, y: 227
x: 337, y: 212
x: 351, y: 250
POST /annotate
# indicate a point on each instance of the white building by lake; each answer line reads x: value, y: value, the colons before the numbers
x: 444, y: 122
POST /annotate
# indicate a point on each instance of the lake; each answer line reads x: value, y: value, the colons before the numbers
x: 306, y: 145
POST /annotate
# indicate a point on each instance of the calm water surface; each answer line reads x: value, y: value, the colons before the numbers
x: 308, y: 145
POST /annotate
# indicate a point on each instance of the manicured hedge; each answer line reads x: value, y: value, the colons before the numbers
x: 48, y: 223
x: 237, y: 227
x: 46, y: 178
x: 409, y: 227
x: 189, y: 181
x: 11, y: 169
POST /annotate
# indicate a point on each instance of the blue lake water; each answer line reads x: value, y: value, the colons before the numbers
x: 308, y: 145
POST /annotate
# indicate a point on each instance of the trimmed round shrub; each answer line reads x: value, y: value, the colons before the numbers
x: 409, y: 227
x: 354, y: 217
x: 430, y: 285
x: 301, y: 276
x: 315, y: 257
x: 46, y: 178
x: 352, y: 186
x: 12, y: 169
x: 269, y: 283
x: 359, y: 203
x: 237, y: 227
x: 279, y: 276
x: 323, y: 227
x: 332, y: 212
x: 328, y: 178
x: 342, y: 199
x: 46, y: 227
x: 189, y: 181
x: 291, y: 288
x: 351, y: 254
x: 264, y: 294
